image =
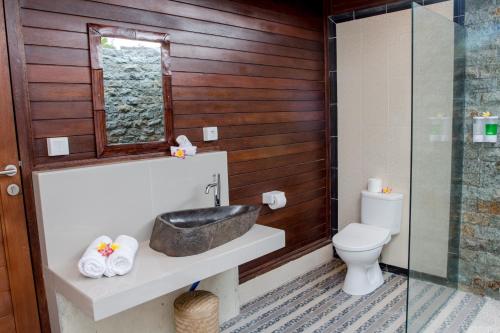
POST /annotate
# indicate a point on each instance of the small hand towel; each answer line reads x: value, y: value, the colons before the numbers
x: 121, y: 260
x: 93, y: 263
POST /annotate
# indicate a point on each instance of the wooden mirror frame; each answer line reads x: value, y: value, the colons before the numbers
x: 97, y: 31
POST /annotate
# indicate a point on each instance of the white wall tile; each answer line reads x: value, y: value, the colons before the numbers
x: 374, y: 80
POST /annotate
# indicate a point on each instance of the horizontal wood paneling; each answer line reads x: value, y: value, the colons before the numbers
x: 292, y: 7
x: 227, y: 132
x: 295, y: 194
x: 186, y: 107
x: 294, y: 215
x: 56, y: 56
x: 183, y: 121
x: 274, y: 173
x: 275, y: 162
x: 47, y: 92
x: 269, y: 140
x: 263, y: 13
x: 217, y: 16
x: 58, y: 74
x: 74, y: 158
x: 62, y: 127
x: 61, y: 110
x: 342, y: 6
x: 197, y: 52
x: 46, y: 55
x: 242, y: 94
x: 152, y: 18
x: 255, y: 72
x: 69, y: 74
x: 36, y: 36
x: 215, y: 80
x: 218, y: 67
x: 78, y: 144
x: 55, y: 38
x: 258, y: 188
x: 56, y: 21
x: 258, y: 153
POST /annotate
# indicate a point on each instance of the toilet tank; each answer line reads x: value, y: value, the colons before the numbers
x: 382, y: 210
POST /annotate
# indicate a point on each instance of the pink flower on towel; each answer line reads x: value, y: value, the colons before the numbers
x: 106, y: 249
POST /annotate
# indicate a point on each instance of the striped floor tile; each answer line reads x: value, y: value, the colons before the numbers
x: 315, y: 302
x: 488, y: 318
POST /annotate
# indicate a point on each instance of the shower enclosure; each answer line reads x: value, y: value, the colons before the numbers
x: 450, y: 235
x: 454, y: 223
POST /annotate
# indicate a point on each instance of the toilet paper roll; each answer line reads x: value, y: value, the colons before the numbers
x: 275, y: 199
x: 279, y: 201
x: 375, y: 185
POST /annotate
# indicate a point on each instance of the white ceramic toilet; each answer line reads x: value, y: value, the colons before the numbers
x: 359, y: 244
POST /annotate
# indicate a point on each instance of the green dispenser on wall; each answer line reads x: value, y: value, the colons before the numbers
x: 485, y: 129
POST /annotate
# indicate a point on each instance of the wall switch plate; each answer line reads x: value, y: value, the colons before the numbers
x: 58, y: 146
x: 210, y: 134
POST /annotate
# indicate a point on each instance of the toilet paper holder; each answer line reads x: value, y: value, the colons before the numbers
x: 275, y: 199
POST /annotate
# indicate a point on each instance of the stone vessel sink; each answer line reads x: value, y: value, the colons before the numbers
x: 188, y: 232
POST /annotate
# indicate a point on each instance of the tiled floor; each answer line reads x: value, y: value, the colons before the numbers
x: 435, y: 308
x: 315, y: 302
x: 488, y: 319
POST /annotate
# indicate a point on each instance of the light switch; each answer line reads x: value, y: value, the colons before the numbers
x: 210, y: 134
x: 58, y: 146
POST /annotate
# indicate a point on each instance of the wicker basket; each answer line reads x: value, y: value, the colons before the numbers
x: 197, y: 312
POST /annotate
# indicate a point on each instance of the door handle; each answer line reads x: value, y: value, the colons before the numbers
x: 9, y: 171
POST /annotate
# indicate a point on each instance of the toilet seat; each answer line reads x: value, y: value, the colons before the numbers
x: 357, y: 237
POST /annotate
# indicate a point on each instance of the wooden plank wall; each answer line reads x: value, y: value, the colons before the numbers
x: 256, y: 72
x: 342, y: 6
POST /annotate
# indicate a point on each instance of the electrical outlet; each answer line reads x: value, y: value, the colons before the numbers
x: 210, y: 134
x: 58, y: 146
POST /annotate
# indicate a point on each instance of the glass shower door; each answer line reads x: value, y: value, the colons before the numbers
x: 437, y: 120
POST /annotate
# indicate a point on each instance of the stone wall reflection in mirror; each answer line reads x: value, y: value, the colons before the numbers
x: 133, y: 92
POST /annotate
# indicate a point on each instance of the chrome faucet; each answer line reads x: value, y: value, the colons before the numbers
x: 216, y: 186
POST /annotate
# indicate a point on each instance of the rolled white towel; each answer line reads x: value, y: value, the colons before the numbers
x: 121, y: 260
x: 93, y: 264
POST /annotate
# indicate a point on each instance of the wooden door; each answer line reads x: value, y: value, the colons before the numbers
x: 18, y: 307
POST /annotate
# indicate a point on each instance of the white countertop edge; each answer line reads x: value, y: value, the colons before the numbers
x: 239, y: 251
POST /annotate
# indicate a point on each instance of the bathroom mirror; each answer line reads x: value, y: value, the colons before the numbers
x: 131, y: 90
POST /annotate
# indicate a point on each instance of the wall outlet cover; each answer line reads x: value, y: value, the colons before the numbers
x: 58, y: 146
x: 210, y: 134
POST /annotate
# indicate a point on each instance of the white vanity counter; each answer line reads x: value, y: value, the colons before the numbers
x: 156, y: 274
x: 76, y: 205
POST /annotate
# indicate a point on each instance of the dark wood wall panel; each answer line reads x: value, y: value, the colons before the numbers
x: 255, y: 72
x: 267, y: 13
x: 342, y: 6
x: 217, y: 16
x: 75, y: 23
x: 156, y: 19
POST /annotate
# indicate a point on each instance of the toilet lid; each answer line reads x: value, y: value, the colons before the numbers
x: 361, y: 237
